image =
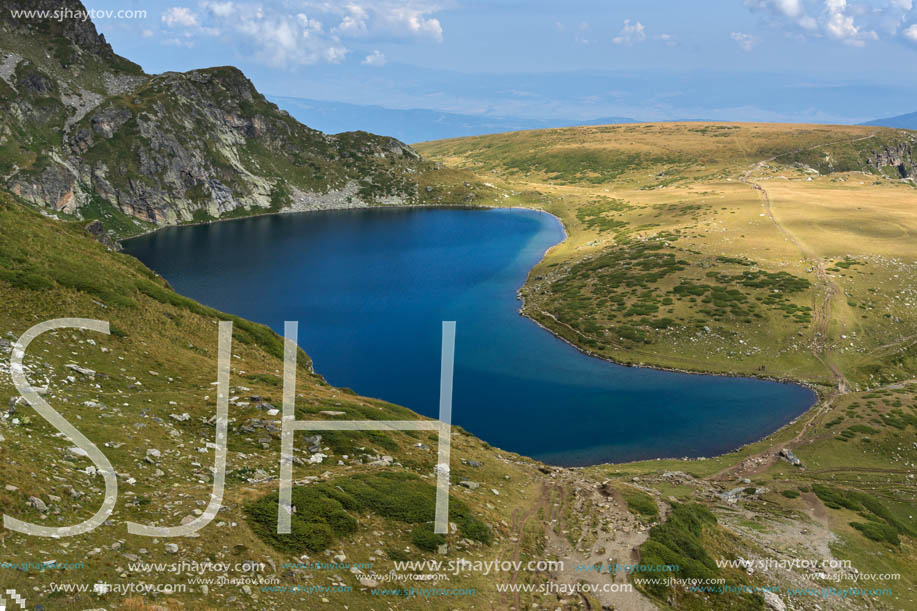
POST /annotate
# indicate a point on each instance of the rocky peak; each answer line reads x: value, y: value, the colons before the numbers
x: 93, y: 129
x: 81, y: 33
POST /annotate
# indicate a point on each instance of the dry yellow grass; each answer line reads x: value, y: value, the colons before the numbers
x: 790, y: 198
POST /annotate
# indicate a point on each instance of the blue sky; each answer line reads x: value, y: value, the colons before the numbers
x: 780, y: 60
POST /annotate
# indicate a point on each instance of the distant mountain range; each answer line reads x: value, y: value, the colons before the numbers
x: 908, y: 121
x: 414, y: 125
x: 424, y: 125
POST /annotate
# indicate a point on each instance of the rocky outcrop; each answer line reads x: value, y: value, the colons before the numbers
x: 899, y: 155
x: 96, y: 230
x: 80, y: 33
x: 92, y: 129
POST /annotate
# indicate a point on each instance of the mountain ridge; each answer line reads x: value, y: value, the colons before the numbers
x: 905, y: 121
x: 417, y: 124
x: 89, y: 131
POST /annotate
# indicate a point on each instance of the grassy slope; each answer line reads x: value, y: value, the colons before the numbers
x: 160, y: 360
x: 569, y: 513
x: 674, y: 259
x: 651, y: 208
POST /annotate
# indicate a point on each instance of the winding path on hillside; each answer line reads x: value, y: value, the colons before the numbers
x: 617, y: 540
x: 761, y: 461
x: 822, y: 311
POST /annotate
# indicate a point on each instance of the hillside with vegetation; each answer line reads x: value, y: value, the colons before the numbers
x: 782, y: 251
x: 774, y: 250
x: 88, y: 135
x: 145, y: 395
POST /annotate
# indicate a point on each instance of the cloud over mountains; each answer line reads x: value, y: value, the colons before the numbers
x: 288, y: 34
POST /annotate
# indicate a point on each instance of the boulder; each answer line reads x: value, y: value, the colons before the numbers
x: 38, y: 504
x: 81, y: 370
x: 773, y: 601
x: 790, y: 457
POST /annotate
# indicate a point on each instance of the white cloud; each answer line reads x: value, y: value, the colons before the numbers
x: 425, y: 27
x: 746, y: 41
x: 851, y: 23
x: 179, y: 16
x: 631, y: 33
x: 290, y: 33
x: 808, y: 23
x: 147, y: 33
x: 897, y: 15
x: 177, y: 42
x: 792, y: 11
x: 841, y: 26
x: 220, y: 9
x: 911, y: 32
x: 310, y: 25
x: 667, y: 39
x: 376, y: 58
x: 354, y: 22
x: 284, y: 43
x: 387, y: 17
x: 790, y: 8
x: 787, y: 8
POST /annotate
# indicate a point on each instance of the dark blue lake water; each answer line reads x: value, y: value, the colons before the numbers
x: 370, y: 289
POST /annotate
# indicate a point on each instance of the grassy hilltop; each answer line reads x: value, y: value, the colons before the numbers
x: 777, y: 250
x: 784, y: 251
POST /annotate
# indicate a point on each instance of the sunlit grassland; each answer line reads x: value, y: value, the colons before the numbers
x: 688, y: 187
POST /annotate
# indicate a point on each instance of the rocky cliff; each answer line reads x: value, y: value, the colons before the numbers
x: 885, y: 152
x: 84, y: 128
x: 899, y: 156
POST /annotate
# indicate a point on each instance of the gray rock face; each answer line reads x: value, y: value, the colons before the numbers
x: 81, y: 33
x: 773, y: 602
x: 96, y: 230
x: 173, y: 147
x: 80, y: 370
x: 899, y: 156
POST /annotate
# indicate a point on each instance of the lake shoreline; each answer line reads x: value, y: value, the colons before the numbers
x: 821, y: 394
x: 521, y: 311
